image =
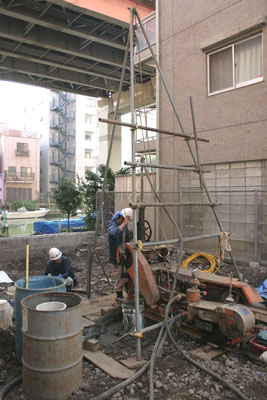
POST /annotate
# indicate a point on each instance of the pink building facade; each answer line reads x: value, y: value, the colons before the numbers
x: 19, y: 164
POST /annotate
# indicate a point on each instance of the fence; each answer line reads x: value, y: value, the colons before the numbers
x: 242, y: 213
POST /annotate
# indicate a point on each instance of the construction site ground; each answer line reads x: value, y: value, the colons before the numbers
x: 174, y: 377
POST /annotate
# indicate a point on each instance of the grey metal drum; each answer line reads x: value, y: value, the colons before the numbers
x: 52, y: 347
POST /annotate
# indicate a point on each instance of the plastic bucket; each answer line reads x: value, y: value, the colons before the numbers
x: 51, y: 306
x: 129, y: 320
x: 52, y: 346
x: 37, y: 284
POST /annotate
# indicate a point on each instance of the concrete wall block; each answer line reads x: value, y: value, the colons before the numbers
x: 237, y: 182
x: 237, y: 165
x: 40, y: 245
x: 223, y: 182
x: 253, y: 172
x: 253, y: 182
x: 238, y: 231
x: 222, y: 166
x: 223, y: 173
x: 237, y: 173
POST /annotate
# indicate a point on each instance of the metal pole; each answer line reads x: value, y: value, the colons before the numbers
x: 256, y: 224
x: 172, y: 204
x: 133, y: 132
x: 150, y: 165
x: 147, y: 128
x: 186, y: 239
x: 91, y: 256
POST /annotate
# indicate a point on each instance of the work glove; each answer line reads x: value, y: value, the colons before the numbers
x: 60, y: 276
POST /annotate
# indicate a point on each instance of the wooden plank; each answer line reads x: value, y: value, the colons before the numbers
x: 94, y: 306
x: 206, y: 352
x: 108, y: 364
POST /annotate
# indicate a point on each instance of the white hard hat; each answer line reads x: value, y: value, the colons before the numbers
x: 127, y: 212
x: 54, y: 254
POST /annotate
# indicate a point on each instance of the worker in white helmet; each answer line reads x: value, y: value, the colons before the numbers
x: 61, y: 267
x: 118, y: 233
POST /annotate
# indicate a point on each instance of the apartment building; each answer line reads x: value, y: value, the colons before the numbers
x: 20, y: 164
x: 70, y: 146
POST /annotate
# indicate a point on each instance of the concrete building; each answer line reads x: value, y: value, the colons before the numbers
x: 216, y: 52
x: 20, y: 164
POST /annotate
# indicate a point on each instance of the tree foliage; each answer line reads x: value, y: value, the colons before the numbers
x: 67, y: 197
x: 91, y: 184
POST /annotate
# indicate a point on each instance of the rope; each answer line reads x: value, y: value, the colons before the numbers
x: 213, y: 261
x: 222, y: 245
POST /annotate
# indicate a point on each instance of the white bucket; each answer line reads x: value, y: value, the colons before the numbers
x: 51, y: 306
x: 6, y: 313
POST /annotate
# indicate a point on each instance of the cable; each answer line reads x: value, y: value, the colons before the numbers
x: 213, y: 261
x: 5, y: 389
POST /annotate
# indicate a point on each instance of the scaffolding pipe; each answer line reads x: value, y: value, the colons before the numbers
x: 171, y: 204
x: 186, y: 239
x: 150, y: 165
x: 133, y: 133
x: 147, y: 128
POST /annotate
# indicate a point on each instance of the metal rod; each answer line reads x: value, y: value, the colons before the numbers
x: 170, y: 204
x: 91, y: 256
x: 196, y: 143
x: 133, y: 132
x: 256, y: 222
x: 147, y: 128
x: 186, y: 239
x: 150, y: 165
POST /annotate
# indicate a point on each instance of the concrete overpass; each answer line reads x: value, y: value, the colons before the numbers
x: 74, y: 46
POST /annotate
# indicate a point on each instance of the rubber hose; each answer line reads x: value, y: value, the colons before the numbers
x: 154, y: 355
x: 213, y: 261
x: 195, y: 363
x: 132, y: 378
x: 5, y: 389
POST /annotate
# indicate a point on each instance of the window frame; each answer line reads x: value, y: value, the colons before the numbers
x: 235, y: 85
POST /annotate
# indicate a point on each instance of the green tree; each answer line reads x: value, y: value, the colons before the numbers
x: 67, y: 197
x: 91, y: 184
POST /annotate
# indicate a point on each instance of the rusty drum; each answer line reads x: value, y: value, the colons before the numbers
x: 52, y: 347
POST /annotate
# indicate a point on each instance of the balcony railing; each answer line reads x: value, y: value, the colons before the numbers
x: 19, y: 177
x: 22, y: 153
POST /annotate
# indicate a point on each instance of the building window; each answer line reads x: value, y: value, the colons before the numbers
x: 88, y: 154
x: 234, y: 66
x: 11, y: 171
x: 22, y: 149
x: 88, y: 136
x: 88, y: 118
x: 25, y: 171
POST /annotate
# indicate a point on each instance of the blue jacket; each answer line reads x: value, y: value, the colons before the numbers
x: 64, y: 268
x: 115, y: 238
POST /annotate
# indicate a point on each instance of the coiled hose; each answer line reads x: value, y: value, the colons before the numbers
x: 213, y: 261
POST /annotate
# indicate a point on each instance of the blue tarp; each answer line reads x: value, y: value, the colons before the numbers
x: 262, y: 289
x: 76, y: 225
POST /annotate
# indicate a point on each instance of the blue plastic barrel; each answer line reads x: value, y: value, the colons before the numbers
x: 36, y: 284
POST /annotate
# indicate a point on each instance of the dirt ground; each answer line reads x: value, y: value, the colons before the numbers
x: 174, y: 377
